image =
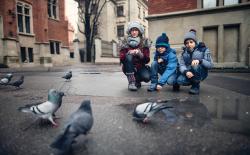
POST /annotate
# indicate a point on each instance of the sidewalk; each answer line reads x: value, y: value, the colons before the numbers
x: 84, y: 66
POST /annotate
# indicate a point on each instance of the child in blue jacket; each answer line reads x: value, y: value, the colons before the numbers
x: 165, y: 63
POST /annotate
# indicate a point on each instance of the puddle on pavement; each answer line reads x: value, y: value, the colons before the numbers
x: 223, y: 114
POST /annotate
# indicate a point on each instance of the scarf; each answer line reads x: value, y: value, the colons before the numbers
x: 133, y: 42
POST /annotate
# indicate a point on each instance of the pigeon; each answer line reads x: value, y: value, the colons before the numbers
x: 18, y: 82
x: 80, y: 122
x: 6, y: 79
x: 45, y: 110
x: 68, y: 75
x: 143, y: 112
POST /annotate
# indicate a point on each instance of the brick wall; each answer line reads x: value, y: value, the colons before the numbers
x: 40, y: 21
x: 7, y: 8
x: 45, y: 29
x: 166, y: 6
x: 58, y: 30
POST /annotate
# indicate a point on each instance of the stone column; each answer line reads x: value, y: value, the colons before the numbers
x: 221, y: 2
x: 248, y: 56
x: 220, y: 44
x: 114, y: 48
x: 76, y: 50
x: 98, y: 49
x: 199, y: 4
x: 11, y: 52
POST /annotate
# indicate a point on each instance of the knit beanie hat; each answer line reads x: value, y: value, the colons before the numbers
x: 135, y: 24
x: 190, y: 35
x: 162, y: 41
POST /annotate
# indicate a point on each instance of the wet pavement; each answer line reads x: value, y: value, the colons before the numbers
x: 215, y: 122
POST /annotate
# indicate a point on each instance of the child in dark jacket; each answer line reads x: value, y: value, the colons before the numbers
x: 194, y: 62
x: 165, y: 63
x: 134, y: 55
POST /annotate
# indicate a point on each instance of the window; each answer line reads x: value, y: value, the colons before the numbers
x: 120, y: 31
x: 231, y: 2
x: 24, y: 17
x: 120, y: 11
x: 53, y: 9
x: 30, y: 53
x: 139, y: 12
x: 54, y: 47
x: 210, y: 3
x: 26, y: 54
x: 71, y: 55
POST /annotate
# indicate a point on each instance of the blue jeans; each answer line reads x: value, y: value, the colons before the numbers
x: 160, y: 68
x: 200, y: 73
x: 142, y: 74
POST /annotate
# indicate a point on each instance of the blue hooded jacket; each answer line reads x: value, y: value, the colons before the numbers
x: 169, y: 62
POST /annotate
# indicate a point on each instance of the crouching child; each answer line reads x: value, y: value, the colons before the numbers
x: 165, y: 64
x: 194, y: 62
x: 134, y: 55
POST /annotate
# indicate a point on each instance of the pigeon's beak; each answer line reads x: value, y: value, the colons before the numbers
x: 145, y: 120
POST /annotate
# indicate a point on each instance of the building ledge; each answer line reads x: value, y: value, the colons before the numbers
x: 27, y: 34
x: 201, y: 11
x: 9, y: 38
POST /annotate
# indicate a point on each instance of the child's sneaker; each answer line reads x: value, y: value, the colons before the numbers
x: 138, y: 84
x: 132, y: 87
x: 152, y: 87
x: 195, y: 89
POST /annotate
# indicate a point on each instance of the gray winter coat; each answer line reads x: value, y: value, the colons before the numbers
x: 200, y: 53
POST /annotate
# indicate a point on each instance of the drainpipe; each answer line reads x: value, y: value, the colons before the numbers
x: 128, y: 10
x: 248, y: 56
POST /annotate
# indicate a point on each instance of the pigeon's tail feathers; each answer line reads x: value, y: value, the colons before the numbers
x: 64, y: 140
x: 25, y: 109
x: 157, y: 109
x: 163, y: 106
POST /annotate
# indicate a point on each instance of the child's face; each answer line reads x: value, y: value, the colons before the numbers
x: 134, y: 32
x: 161, y: 49
x: 190, y: 44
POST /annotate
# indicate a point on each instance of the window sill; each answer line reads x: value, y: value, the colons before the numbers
x: 54, y: 19
x: 27, y: 34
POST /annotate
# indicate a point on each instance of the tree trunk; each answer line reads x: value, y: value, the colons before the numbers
x: 88, y: 30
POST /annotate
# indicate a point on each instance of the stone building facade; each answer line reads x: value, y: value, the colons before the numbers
x: 33, y: 33
x: 222, y: 24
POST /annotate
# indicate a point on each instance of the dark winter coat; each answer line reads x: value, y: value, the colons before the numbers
x: 137, y: 61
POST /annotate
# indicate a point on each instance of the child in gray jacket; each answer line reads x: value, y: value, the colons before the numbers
x: 194, y: 62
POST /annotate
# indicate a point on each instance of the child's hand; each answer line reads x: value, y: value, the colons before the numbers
x: 160, y: 60
x: 131, y: 52
x: 189, y: 74
x: 195, y: 62
x: 158, y: 87
x: 139, y: 53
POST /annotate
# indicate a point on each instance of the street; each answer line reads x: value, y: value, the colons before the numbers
x: 215, y: 122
